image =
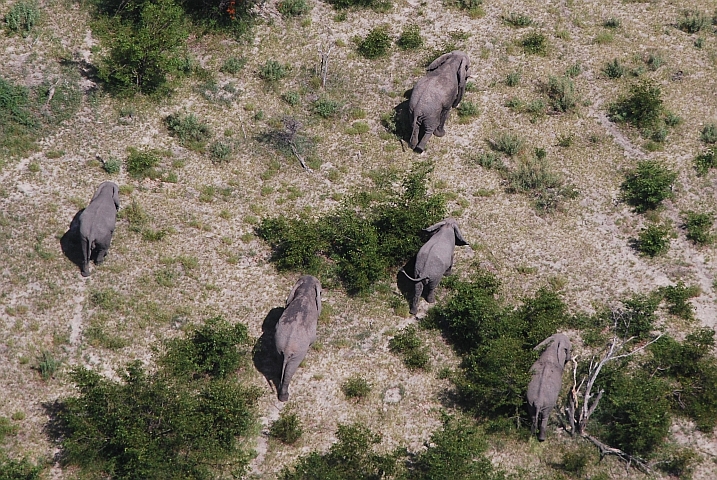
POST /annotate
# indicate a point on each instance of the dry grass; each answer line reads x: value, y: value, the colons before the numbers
x: 46, y: 305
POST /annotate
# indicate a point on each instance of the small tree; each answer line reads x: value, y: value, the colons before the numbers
x: 648, y: 185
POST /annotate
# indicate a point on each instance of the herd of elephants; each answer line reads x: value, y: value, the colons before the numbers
x: 432, y: 98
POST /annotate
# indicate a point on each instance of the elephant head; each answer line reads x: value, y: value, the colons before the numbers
x: 461, y: 70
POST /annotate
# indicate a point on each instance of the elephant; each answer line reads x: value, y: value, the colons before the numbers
x: 544, y: 387
x: 96, y: 224
x: 296, y: 328
x: 434, y: 260
x: 433, y: 96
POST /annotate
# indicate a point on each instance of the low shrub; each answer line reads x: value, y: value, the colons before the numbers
x: 112, y: 165
x: 233, y: 65
x: 22, y: 17
x: 648, y: 185
x: 287, y: 428
x: 612, y: 23
x: 614, y: 69
x: 512, y: 79
x: 642, y: 107
x: 705, y: 161
x: 491, y: 161
x: 410, y: 38
x: 508, y: 143
x: 517, y: 20
x: 220, y: 151
x: 12, y: 469
x: 356, y: 387
x: 190, y: 131
x: 698, y: 226
x: 411, y: 348
x: 654, y: 240
x: 474, y: 8
x: 141, y: 162
x: 293, y: 8
x: 677, y: 297
x: 273, y: 71
x: 535, y: 44
x: 467, y: 109
x: 293, y: 98
x: 692, y: 21
x: 561, y: 93
x: 573, y: 70
x: 325, y: 107
x: 709, y: 133
x: 375, y: 44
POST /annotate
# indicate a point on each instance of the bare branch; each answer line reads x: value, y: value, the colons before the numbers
x: 626, y: 457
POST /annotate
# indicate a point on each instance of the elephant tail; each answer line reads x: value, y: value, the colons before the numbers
x: 283, y: 369
x: 413, y: 279
x: 414, y: 131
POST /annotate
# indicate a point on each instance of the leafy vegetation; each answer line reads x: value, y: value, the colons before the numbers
x: 190, y: 131
x: 372, y: 232
x: 614, y: 69
x: 705, y: 161
x: 654, y: 240
x: 293, y: 8
x: 356, y: 387
x: 184, y: 420
x: 677, y: 297
x: 692, y: 21
x: 375, y: 44
x: 508, y: 143
x: 22, y: 17
x: 698, y: 226
x: 11, y: 469
x: 561, y: 93
x: 648, y: 185
x: 410, y: 38
x: 643, y: 108
x: 535, y: 43
x: 273, y: 71
x: 233, y: 65
x: 287, y: 428
x: 410, y: 347
x: 709, y: 133
x: 141, y: 163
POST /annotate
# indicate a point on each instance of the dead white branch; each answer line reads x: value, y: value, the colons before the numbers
x: 324, y: 52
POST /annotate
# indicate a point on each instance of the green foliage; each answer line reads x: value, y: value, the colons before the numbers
x: 642, y: 107
x: 351, y: 457
x: 455, y: 452
x: 517, y: 20
x: 654, y: 240
x: 184, y: 420
x: 573, y: 70
x: 112, y: 165
x: 140, y: 163
x: 614, y: 69
x: 293, y: 8
x: 561, y: 93
x: 6, y: 428
x: 411, y: 348
x: 534, y: 176
x: 495, y: 341
x: 535, y: 43
x: 22, y: 16
x: 11, y: 469
x: 648, y: 185
x: 145, y: 47
x: 512, y: 79
x: 612, y: 23
x: 233, y: 65
x: 325, y: 107
x: 679, y: 462
x: 190, y: 131
x: 698, y: 226
x: 692, y: 21
x: 706, y: 160
x: 692, y: 370
x: 47, y: 365
x: 356, y: 387
x: 576, y: 461
x: 371, y: 232
x: 638, y: 316
x: 491, y: 161
x: 467, y: 109
x: 677, y: 297
x: 410, y: 38
x: 220, y: 151
x: 293, y: 98
x: 376, y: 43
x: 508, y: 143
x: 273, y: 71
x: 709, y: 133
x: 474, y: 8
x: 287, y: 428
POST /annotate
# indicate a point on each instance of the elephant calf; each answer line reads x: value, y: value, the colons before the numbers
x: 96, y: 224
x: 296, y: 329
x: 434, y: 260
x: 544, y: 387
x: 435, y: 94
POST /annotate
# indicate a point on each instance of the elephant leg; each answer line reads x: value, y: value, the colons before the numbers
x: 86, y: 252
x: 534, y: 416
x: 291, y: 364
x: 417, y: 292
x: 414, y: 134
x: 544, y: 415
x: 431, y: 291
x: 421, y: 147
x: 440, y: 130
x: 101, y: 256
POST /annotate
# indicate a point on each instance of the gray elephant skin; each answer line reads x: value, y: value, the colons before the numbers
x: 434, y: 260
x: 544, y: 387
x: 434, y: 95
x: 96, y: 224
x: 296, y: 328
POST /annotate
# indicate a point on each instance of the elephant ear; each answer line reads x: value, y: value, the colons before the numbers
x: 437, y: 63
x: 291, y: 294
x: 462, y: 77
x: 460, y: 241
x: 115, y: 195
x: 318, y: 298
x: 563, y: 351
x: 435, y: 227
x: 545, y: 342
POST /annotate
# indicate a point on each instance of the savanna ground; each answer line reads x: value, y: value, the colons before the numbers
x: 210, y: 262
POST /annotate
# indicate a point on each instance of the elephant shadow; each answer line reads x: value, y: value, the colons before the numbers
x: 402, y: 128
x: 266, y: 359
x: 70, y: 241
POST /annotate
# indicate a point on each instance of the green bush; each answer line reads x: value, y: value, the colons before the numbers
x: 293, y: 8
x: 273, y: 71
x: 325, y: 107
x: 706, y: 160
x: 187, y: 419
x: 612, y: 23
x: 356, y: 387
x: 677, y: 297
x: 11, y: 469
x: 576, y: 461
x: 573, y: 70
x: 692, y: 21
x: 112, y: 165
x: 698, y: 226
x: 508, y: 143
x: 22, y: 16
x: 642, y: 107
x: 6, y: 429
x: 220, y: 151
x: 491, y: 161
x: 140, y: 162
x: 614, y: 69
x: 467, y: 109
x: 287, y: 428
x: 561, y: 93
x: 293, y: 98
x: 679, y: 462
x: 654, y: 240
x: 535, y: 43
x: 709, y: 133
x: 517, y: 20
x: 190, y: 131
x: 351, y: 457
x: 512, y: 79
x: 474, y: 8
x: 47, y: 365
x: 372, y: 232
x: 410, y: 38
x: 411, y: 348
x: 233, y: 65
x: 376, y: 43
x: 638, y: 317
x: 378, y: 5
x: 648, y: 185
x: 495, y: 341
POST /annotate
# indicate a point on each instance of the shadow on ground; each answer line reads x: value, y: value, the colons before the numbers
x: 266, y: 360
x: 70, y: 241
